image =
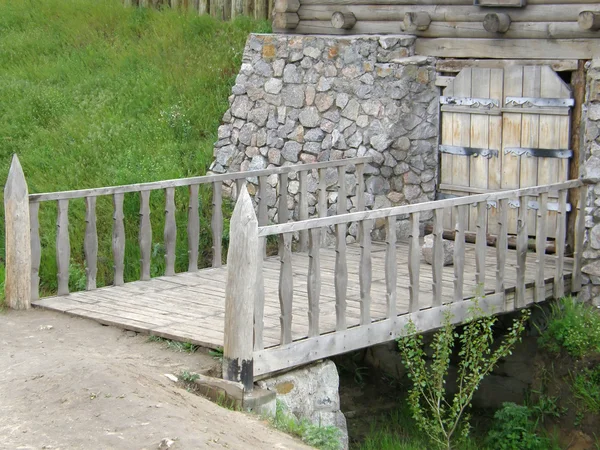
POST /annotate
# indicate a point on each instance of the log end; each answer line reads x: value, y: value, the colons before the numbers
x: 342, y: 20
x: 589, y: 20
x: 496, y: 22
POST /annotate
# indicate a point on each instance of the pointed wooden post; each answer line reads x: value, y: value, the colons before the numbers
x: 17, y: 286
x: 240, y: 293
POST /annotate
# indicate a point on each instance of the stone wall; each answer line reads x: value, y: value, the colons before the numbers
x: 302, y: 99
x: 591, y: 169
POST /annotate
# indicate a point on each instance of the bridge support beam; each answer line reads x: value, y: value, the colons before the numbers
x: 240, y: 293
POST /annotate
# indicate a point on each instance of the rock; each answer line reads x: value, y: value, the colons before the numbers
x: 241, y: 106
x: 309, y: 117
x: 257, y: 163
x: 351, y: 110
x: 447, y: 246
x: 278, y: 67
x: 313, y: 52
x: 342, y: 100
x: 380, y: 142
x: 166, y: 444
x: 291, y: 74
x: 291, y: 150
x: 314, y: 135
x: 310, y: 95
x: 324, y: 84
x: 323, y: 101
x: 273, y: 86
x: 293, y: 96
x: 274, y: 156
x: 172, y: 377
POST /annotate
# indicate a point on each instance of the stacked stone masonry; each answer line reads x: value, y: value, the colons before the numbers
x: 303, y: 99
x: 591, y: 169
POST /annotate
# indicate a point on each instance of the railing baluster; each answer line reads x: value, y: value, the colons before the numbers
x: 118, y: 240
x: 193, y: 229
x: 259, y: 304
x: 460, y: 213
x: 522, y: 247
x: 540, y: 248
x: 480, y: 247
x: 322, y: 202
x: 90, y: 243
x: 263, y: 211
x: 579, y: 236
x: 145, y: 238
x: 342, y: 199
x: 36, y: 249
x: 438, y: 256
x: 414, y: 262
x: 365, y: 275
x: 561, y: 237
x: 501, y: 244
x: 391, y: 266
x: 217, y: 223
x: 314, y: 281
x: 303, y: 209
x: 341, y: 276
x: 63, y: 247
x: 360, y: 187
x: 286, y: 282
x: 170, y: 234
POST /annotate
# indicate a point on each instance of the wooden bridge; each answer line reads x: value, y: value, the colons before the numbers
x: 271, y: 313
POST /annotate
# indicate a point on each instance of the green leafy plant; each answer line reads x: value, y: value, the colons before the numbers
x: 442, y: 418
x: 216, y: 353
x: 586, y: 387
x: 188, y: 377
x: 572, y: 326
x: 514, y: 429
x: 546, y: 407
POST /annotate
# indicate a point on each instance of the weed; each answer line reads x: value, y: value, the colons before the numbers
x: 188, y: 377
x: 586, y: 387
x: 226, y: 403
x: 184, y: 347
x: 546, y: 407
x: 514, y: 429
x: 217, y: 354
x: 572, y: 326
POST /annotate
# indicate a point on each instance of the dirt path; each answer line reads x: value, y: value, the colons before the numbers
x: 81, y: 385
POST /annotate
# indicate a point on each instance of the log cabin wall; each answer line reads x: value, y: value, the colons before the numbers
x: 457, y: 28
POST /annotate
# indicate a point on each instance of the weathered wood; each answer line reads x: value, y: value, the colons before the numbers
x: 342, y: 198
x: 365, y: 274
x: 63, y: 247
x: 286, y: 288
x: 480, y: 248
x: 456, y: 65
x: 360, y: 187
x: 417, y: 207
x: 203, y: 7
x: 240, y: 294
x: 521, y: 254
x: 170, y: 232
x: 36, y: 249
x: 17, y: 222
x: 313, y: 288
x: 414, y: 262
x: 145, y: 236
x: 285, y: 21
x: 263, y: 210
x: 416, y: 21
x: 391, y: 268
x: 90, y: 244
x: 193, y: 229
x: 341, y: 20
x: 259, y: 301
x: 216, y: 223
x: 561, y: 237
x: 303, y: 209
x: 205, y: 179
x: 341, y: 276
x: 460, y: 216
x: 502, y: 245
x: 589, y: 20
x: 438, y: 256
x: 322, y: 201
x: 118, y: 240
x: 237, y: 8
x: 540, y: 252
x: 496, y: 22
x: 283, y: 213
x: 282, y: 6
x: 579, y: 239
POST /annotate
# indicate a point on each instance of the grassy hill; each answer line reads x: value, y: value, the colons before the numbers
x: 95, y: 94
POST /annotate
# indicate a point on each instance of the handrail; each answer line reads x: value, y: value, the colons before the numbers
x: 205, y: 179
x: 408, y: 209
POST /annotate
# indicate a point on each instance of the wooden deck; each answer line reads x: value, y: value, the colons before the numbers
x: 191, y: 306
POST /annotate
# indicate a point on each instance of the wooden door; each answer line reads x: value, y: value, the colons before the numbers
x: 504, y: 129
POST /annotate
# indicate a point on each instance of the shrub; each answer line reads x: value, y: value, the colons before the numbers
x: 572, y: 326
x: 514, y: 429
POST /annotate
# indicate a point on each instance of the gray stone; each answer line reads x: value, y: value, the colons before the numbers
x: 309, y: 117
x: 241, y: 106
x: 313, y: 148
x: 246, y: 133
x: 316, y: 135
x: 263, y: 68
x: 327, y: 125
x: 380, y: 142
x: 376, y: 185
x: 238, y: 89
x: 355, y: 140
x: 274, y: 156
x: 323, y: 101
x: 447, y: 247
x: 595, y: 237
x: 291, y: 74
x: 342, y: 100
x: 591, y: 168
x: 225, y: 155
x: 310, y: 95
x: 273, y: 86
x: 297, y: 134
x: 293, y: 96
x: 338, y: 141
x: 258, y: 116
x: 362, y: 121
x: 412, y: 192
x: 291, y: 150
x: 351, y: 110
x: 313, y: 52
x: 278, y: 66
x: 324, y: 84
x: 224, y: 131
x: 257, y: 163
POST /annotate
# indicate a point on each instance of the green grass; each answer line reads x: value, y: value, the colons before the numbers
x: 94, y: 94
x: 586, y: 388
x: 183, y: 347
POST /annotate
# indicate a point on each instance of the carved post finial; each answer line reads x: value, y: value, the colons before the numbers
x: 17, y: 286
x: 240, y: 293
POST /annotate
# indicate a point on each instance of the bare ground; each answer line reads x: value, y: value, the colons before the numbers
x: 81, y: 385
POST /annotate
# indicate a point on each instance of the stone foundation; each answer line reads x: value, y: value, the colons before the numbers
x: 312, y: 393
x: 591, y: 169
x: 303, y: 99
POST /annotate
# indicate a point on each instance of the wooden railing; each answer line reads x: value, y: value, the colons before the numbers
x: 26, y: 224
x: 323, y: 343
x: 221, y: 9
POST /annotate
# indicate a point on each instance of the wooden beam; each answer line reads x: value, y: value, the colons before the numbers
x: 416, y: 21
x: 285, y: 21
x: 17, y: 287
x: 589, y: 20
x: 284, y: 6
x: 456, y: 65
x: 342, y: 20
x: 496, y: 22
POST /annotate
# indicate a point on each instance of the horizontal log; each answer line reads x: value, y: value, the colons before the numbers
x: 509, y: 48
x: 589, y: 20
x: 343, y: 20
x: 441, y: 13
x: 456, y: 65
x: 282, y: 6
x: 491, y: 239
x: 434, y: 2
x: 416, y: 21
x: 285, y: 21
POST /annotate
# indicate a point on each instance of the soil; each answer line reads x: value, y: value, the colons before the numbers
x: 70, y: 383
